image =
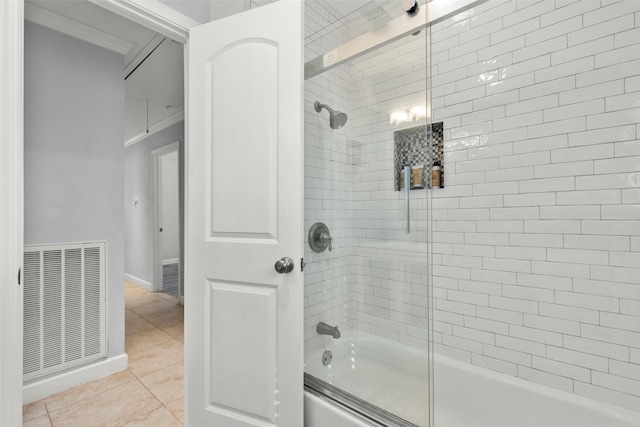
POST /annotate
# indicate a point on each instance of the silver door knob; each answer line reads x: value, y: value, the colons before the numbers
x: 284, y: 265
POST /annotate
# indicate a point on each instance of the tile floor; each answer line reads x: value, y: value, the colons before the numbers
x: 149, y: 393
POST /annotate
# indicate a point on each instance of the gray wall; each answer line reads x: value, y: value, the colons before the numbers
x: 139, y: 217
x: 74, y: 160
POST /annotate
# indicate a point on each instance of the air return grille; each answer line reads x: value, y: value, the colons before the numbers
x: 64, y: 308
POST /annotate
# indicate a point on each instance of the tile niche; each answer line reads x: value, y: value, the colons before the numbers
x: 421, y: 148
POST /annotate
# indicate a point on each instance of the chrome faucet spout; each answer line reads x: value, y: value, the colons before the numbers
x: 325, y: 329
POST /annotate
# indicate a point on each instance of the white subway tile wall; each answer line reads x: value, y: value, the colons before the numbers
x: 537, y: 235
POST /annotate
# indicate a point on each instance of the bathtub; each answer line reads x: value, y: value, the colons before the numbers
x: 465, y: 395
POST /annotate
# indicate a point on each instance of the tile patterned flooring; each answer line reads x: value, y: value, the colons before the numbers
x: 148, y: 394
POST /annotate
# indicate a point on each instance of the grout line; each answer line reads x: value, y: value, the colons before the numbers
x: 46, y: 408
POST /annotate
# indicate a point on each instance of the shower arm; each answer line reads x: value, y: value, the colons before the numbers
x: 318, y: 107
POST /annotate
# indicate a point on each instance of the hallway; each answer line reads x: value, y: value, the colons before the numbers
x: 149, y: 393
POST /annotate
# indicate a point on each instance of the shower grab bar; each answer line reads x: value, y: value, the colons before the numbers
x: 407, y: 189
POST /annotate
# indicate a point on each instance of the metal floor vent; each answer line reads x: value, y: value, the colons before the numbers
x: 64, y: 307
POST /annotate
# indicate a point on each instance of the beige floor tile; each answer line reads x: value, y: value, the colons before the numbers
x: 174, y: 327
x: 128, y: 315
x: 166, y: 384
x: 42, y: 421
x: 145, y: 361
x: 179, y: 336
x: 86, y: 391
x: 177, y: 408
x: 33, y: 410
x: 161, y: 417
x: 166, y: 318
x: 132, y: 302
x: 138, y: 324
x: 174, y: 330
x: 176, y: 319
x: 154, y: 304
x: 114, y: 407
x: 162, y: 319
x: 168, y: 297
x: 145, y: 339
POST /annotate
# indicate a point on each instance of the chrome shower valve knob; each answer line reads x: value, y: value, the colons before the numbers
x: 320, y: 238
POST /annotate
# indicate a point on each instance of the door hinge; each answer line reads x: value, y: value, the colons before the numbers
x: 302, y: 264
x: 19, y: 274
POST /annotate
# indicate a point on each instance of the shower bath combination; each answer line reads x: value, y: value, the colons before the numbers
x: 337, y: 119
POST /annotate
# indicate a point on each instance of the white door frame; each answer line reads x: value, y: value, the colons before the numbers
x: 153, y: 15
x: 11, y: 209
x: 156, y: 197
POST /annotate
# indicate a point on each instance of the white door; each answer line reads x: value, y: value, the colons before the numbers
x: 243, y: 320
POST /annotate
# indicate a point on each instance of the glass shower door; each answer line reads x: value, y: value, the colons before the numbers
x: 367, y: 294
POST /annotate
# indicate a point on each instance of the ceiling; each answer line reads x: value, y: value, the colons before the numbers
x: 153, y: 65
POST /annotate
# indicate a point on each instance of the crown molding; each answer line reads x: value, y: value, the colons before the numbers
x: 153, y: 15
x: 153, y: 129
x: 76, y: 29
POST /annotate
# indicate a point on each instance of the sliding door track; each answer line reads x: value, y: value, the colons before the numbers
x: 355, y: 406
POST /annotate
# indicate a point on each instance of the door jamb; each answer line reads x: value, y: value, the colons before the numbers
x: 156, y: 197
x: 12, y: 212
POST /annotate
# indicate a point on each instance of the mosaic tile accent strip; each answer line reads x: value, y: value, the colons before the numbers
x: 412, y: 148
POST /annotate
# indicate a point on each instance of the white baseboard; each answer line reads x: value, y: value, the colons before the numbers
x: 138, y: 282
x: 170, y: 261
x: 49, y: 386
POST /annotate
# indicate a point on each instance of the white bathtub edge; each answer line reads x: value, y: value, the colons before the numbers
x: 318, y: 412
x: 556, y: 394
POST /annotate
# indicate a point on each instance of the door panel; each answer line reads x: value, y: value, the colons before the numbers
x: 254, y: 329
x: 243, y: 320
x: 244, y: 199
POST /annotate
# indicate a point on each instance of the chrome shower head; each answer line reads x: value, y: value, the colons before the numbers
x: 337, y: 119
